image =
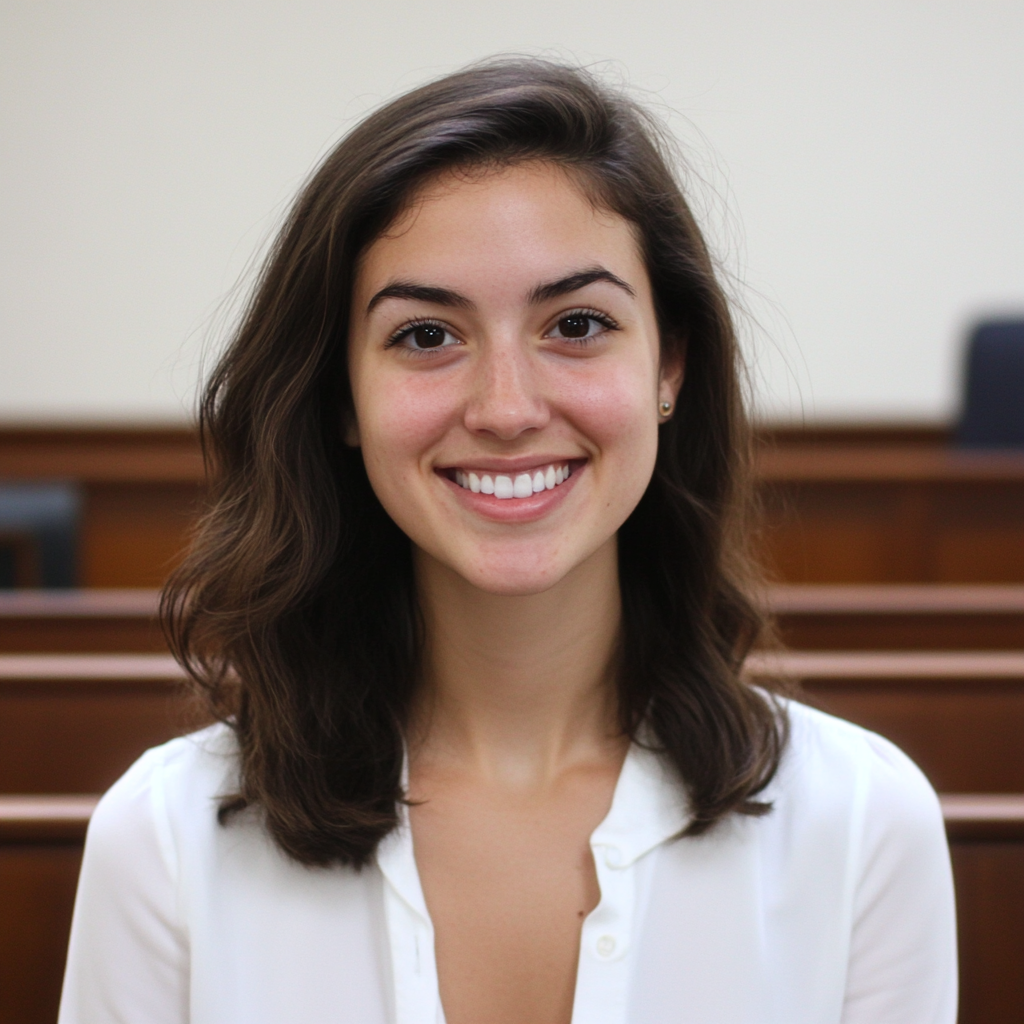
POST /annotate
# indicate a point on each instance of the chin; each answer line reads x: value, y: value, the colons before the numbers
x: 514, y: 575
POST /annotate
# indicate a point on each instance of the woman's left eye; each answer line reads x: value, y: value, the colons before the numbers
x: 580, y: 326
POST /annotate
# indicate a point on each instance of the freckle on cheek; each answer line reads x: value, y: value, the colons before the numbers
x: 409, y: 424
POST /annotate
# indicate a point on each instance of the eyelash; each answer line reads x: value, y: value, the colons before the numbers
x: 591, y: 314
x: 406, y: 329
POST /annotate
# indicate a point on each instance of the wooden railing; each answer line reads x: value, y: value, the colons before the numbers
x: 80, y: 621
x: 958, y: 714
x: 75, y: 722
x: 905, y: 617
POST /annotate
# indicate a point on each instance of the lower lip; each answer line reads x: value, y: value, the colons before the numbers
x: 515, y: 510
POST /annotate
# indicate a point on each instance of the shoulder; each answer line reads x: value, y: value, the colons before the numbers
x: 833, y: 767
x: 168, y: 788
x: 821, y: 742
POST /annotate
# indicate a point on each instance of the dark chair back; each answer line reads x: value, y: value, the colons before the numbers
x: 993, y: 415
x: 39, y: 534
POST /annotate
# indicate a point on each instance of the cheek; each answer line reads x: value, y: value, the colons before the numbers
x: 616, y: 408
x: 400, y: 418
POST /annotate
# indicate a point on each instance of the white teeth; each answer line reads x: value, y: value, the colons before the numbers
x: 522, y: 486
x: 503, y: 487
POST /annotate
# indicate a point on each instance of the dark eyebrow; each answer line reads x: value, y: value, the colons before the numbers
x: 420, y: 292
x: 574, y: 282
x: 542, y: 293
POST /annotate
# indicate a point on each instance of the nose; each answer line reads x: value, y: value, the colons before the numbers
x: 506, y: 400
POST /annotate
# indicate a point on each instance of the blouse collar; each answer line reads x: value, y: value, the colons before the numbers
x: 648, y: 808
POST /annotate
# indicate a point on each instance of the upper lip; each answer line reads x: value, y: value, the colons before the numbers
x: 511, y: 466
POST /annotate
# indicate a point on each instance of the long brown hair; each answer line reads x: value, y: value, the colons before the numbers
x: 295, y: 612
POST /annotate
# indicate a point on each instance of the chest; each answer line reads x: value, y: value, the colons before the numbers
x: 508, y: 883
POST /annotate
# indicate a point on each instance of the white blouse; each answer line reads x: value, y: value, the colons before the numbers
x: 835, y: 907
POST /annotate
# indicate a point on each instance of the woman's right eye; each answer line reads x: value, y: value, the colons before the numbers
x: 424, y: 337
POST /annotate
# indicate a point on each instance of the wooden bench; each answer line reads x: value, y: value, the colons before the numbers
x: 959, y: 715
x: 40, y: 853
x: 80, y: 621
x: 986, y: 834
x: 899, y: 617
x: 889, y: 505
x: 810, y: 616
x: 74, y: 723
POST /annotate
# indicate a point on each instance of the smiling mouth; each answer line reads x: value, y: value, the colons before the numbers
x: 513, y: 485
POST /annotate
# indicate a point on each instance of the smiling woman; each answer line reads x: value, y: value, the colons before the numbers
x: 470, y: 604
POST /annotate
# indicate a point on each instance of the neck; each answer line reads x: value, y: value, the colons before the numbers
x: 518, y: 688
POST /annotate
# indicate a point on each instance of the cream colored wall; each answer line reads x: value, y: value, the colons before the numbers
x: 863, y: 166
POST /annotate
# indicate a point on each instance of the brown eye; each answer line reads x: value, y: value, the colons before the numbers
x: 574, y: 326
x: 429, y: 336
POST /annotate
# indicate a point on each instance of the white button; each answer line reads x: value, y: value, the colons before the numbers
x: 613, y: 856
x: 606, y: 945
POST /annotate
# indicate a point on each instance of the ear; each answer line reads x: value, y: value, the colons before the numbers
x: 673, y: 370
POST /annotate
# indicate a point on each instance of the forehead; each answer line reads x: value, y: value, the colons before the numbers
x: 500, y: 229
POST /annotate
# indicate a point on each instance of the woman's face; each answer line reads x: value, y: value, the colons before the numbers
x: 504, y: 359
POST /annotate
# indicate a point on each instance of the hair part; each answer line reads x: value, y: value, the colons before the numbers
x: 295, y: 611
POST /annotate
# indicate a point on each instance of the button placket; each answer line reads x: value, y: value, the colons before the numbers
x: 410, y: 933
x: 603, y: 977
x: 610, y: 924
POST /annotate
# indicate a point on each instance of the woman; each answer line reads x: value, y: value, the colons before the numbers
x: 469, y: 604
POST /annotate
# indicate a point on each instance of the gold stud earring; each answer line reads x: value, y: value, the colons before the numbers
x: 666, y: 408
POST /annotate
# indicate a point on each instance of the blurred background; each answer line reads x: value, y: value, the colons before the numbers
x: 857, y: 165
x: 858, y: 168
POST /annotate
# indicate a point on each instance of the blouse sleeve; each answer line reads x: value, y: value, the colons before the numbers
x: 128, y: 957
x: 903, y: 958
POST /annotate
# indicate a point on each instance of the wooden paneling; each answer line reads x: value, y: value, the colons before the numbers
x: 810, y: 616
x: 134, y: 534
x: 960, y: 716
x: 80, y: 621
x: 864, y: 531
x: 987, y: 846
x: 74, y: 723
x: 40, y: 855
x: 898, y: 617
x: 101, y: 455
x: 889, y: 506
x: 842, y: 505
